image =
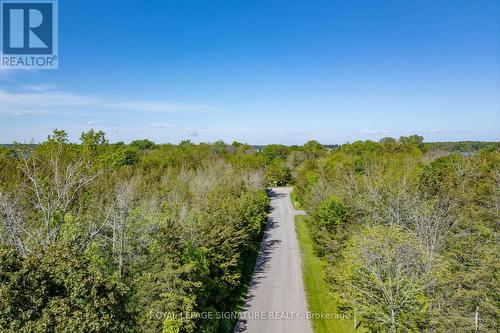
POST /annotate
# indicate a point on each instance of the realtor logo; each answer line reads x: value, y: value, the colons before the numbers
x: 29, y: 34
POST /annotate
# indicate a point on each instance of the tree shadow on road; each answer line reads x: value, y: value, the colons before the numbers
x: 268, y: 245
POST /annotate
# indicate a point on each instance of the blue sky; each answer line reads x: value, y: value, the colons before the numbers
x: 264, y: 72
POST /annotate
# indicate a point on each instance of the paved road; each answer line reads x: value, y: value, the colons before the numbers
x: 276, y: 302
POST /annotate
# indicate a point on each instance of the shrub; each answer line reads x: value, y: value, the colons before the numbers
x: 276, y: 173
x: 330, y: 213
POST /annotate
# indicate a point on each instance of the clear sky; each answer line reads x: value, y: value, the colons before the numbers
x: 264, y: 72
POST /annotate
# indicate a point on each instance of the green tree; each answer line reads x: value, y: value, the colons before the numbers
x: 331, y: 213
x: 93, y: 138
x: 383, y: 281
x: 277, y: 173
x: 58, y: 291
x: 144, y: 144
x: 416, y: 140
x: 271, y: 152
x: 313, y: 149
x: 388, y: 140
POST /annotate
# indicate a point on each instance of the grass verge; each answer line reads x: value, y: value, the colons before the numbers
x: 295, y: 201
x: 319, y: 298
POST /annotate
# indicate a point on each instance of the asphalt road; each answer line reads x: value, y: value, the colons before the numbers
x: 276, y: 301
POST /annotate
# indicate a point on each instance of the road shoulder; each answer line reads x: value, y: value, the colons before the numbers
x: 319, y: 298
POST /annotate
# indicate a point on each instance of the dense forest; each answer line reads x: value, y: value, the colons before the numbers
x: 101, y: 237
x: 409, y: 232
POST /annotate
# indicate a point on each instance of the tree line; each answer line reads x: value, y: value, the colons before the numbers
x: 409, y: 232
x: 101, y: 237
x: 139, y: 237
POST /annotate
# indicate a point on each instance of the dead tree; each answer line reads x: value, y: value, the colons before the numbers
x: 13, y: 223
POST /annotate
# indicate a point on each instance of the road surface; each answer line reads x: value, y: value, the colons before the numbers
x: 276, y: 301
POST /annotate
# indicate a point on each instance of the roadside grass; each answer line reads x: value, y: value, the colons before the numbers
x: 296, y: 203
x: 319, y: 297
